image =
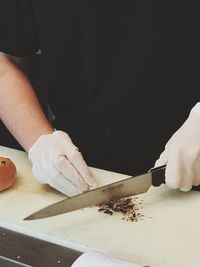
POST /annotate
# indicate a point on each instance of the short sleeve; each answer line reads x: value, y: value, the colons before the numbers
x: 18, y: 34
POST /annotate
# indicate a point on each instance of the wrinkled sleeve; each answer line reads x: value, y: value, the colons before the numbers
x: 18, y: 31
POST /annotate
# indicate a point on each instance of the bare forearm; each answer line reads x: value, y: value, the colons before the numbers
x: 19, y: 107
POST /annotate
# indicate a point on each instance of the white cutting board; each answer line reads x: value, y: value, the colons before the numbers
x: 169, y: 235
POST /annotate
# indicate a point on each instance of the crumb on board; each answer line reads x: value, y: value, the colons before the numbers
x: 129, y: 207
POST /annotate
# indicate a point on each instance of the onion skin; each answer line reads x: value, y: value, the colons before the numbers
x: 7, y: 173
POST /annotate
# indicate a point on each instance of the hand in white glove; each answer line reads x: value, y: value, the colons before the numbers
x: 57, y: 162
x: 182, y: 154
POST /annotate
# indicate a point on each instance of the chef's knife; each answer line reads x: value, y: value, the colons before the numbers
x: 124, y: 188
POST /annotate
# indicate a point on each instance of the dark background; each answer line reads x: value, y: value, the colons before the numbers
x: 34, y: 73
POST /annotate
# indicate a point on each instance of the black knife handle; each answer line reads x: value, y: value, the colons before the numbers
x: 158, y: 177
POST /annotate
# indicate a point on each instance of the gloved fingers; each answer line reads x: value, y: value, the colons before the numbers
x: 78, y: 162
x: 63, y: 185
x: 173, y: 172
x: 55, y: 179
x: 64, y: 166
x: 76, y: 159
x: 188, y: 160
x: 185, y: 183
x: 178, y: 170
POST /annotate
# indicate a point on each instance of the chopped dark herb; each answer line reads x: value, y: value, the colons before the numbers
x: 126, y: 206
x: 108, y: 212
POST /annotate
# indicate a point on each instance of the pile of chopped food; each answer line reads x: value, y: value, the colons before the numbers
x: 128, y: 207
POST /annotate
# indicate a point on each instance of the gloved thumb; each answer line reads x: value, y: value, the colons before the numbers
x: 162, y: 160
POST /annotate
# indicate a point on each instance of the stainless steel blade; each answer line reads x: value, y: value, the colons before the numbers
x: 124, y: 188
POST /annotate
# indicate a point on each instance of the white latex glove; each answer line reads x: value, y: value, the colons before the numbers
x: 182, y: 154
x: 56, y: 161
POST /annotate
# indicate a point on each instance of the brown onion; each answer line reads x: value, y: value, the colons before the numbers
x: 7, y: 173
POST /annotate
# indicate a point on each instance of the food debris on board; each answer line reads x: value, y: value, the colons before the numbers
x: 129, y: 207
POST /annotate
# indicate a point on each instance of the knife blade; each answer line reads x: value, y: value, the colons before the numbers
x: 124, y: 188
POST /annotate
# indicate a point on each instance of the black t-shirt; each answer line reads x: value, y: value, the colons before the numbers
x: 121, y: 76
